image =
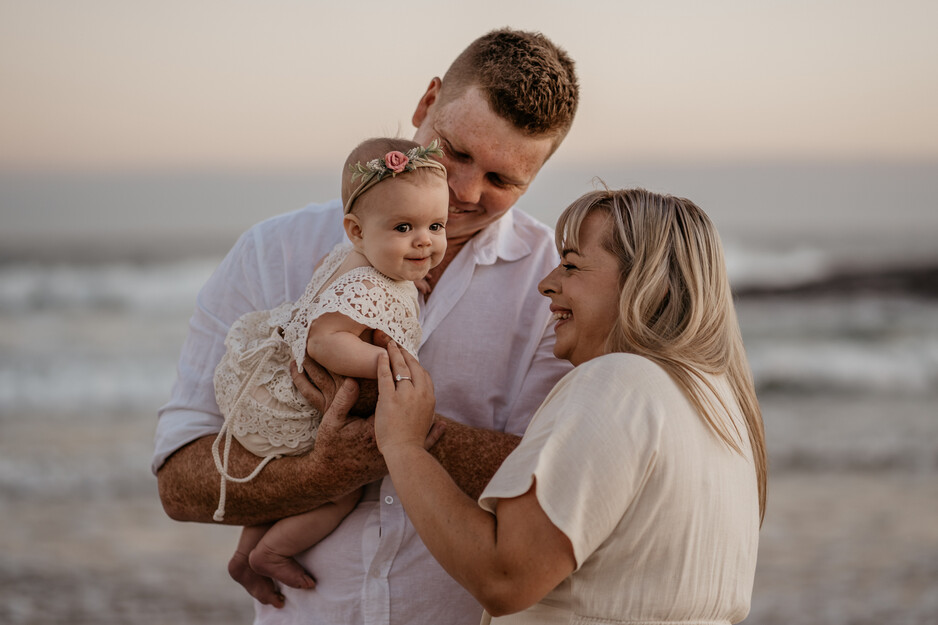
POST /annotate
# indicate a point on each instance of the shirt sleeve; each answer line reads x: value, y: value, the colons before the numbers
x: 590, y: 447
x: 232, y: 290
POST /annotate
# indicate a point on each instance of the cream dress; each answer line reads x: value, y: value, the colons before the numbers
x: 263, y: 410
x: 663, y: 516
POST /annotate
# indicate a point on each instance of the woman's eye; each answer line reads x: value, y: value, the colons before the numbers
x: 568, y: 266
x: 402, y: 227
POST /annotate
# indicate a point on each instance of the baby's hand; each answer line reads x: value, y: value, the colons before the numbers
x: 380, y: 339
x: 423, y: 285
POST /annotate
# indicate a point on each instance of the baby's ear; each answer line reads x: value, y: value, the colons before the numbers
x: 353, y: 228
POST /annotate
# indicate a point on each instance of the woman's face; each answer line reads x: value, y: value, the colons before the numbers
x: 584, y: 294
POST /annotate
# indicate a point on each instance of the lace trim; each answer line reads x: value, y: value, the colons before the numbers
x: 254, y: 391
x: 253, y: 387
x: 364, y: 295
x: 270, y: 405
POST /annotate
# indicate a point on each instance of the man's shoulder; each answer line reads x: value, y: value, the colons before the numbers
x: 528, y: 226
x: 541, y: 250
x: 313, y: 229
x: 325, y: 217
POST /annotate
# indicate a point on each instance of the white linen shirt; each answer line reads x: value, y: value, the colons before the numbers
x: 488, y: 345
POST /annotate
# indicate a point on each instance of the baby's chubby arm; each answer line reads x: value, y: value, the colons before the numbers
x: 336, y: 342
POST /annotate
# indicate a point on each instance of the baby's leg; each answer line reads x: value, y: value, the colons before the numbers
x: 273, y: 555
x: 261, y: 588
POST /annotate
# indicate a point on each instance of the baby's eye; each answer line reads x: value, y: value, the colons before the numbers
x: 402, y: 227
x: 437, y: 227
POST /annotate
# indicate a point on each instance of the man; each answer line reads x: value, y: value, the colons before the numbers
x: 499, y: 112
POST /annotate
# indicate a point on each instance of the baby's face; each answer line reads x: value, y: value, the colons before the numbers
x: 403, y: 225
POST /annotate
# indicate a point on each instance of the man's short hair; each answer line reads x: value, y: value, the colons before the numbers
x: 526, y: 78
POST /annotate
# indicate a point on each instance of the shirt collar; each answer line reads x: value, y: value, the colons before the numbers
x: 499, y: 240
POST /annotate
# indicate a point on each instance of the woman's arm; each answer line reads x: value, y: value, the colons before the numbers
x: 469, y: 454
x: 508, y: 561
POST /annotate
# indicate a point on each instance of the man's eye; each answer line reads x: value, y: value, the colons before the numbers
x: 453, y: 154
x: 402, y: 227
x: 497, y: 181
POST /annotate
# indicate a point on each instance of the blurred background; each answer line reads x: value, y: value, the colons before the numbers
x: 138, y: 140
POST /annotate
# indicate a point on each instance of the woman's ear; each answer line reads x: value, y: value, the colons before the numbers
x: 353, y: 228
x: 426, y: 101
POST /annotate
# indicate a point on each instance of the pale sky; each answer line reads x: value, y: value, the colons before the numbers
x: 115, y: 85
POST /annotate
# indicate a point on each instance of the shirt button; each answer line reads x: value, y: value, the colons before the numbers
x: 389, y: 500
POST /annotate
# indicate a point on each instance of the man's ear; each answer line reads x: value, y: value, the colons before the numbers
x: 353, y: 228
x: 426, y: 101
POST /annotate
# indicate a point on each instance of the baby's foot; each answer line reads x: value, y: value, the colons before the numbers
x: 261, y: 588
x: 282, y: 568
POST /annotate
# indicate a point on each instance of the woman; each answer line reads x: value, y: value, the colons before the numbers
x: 637, y: 492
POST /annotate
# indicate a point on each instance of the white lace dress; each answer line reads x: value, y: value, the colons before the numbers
x: 262, y: 408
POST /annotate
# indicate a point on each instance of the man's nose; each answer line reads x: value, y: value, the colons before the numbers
x: 466, y: 185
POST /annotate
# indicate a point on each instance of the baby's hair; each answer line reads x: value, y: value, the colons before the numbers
x: 378, y: 147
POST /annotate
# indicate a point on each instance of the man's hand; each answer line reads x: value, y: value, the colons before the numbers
x: 319, y: 386
x: 345, y: 445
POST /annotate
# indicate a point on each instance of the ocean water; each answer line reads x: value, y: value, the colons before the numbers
x: 98, y: 273
x: 835, y: 269
x: 109, y: 333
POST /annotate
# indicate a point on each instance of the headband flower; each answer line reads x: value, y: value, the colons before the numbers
x: 392, y: 164
x: 396, y: 161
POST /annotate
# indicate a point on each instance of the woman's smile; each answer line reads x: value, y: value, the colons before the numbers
x: 584, y: 294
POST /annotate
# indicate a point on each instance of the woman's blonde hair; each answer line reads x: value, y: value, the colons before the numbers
x: 675, y: 303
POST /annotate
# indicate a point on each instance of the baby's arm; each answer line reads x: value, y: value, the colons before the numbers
x: 336, y: 342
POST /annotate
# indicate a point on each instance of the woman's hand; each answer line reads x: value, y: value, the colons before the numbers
x: 404, y: 416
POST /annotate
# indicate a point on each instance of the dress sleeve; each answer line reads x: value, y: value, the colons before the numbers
x: 368, y: 297
x: 590, y: 447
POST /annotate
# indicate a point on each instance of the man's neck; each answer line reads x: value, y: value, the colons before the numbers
x: 452, y: 250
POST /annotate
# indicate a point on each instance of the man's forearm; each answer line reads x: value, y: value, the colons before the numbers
x: 472, y: 455
x: 189, y: 482
x: 189, y: 485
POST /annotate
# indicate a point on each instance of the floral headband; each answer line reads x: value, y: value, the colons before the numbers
x: 393, y: 163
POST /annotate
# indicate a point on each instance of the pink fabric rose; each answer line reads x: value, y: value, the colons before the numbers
x: 396, y: 161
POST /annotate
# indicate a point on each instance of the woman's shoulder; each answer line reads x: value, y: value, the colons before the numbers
x: 627, y: 381
x: 625, y: 367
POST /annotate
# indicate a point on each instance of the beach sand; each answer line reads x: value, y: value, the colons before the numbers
x: 851, y: 534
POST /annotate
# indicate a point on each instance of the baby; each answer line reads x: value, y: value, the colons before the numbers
x: 396, y: 202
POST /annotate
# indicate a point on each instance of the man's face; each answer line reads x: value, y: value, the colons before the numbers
x: 489, y: 162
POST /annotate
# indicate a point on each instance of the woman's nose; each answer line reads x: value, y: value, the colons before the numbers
x: 548, y: 284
